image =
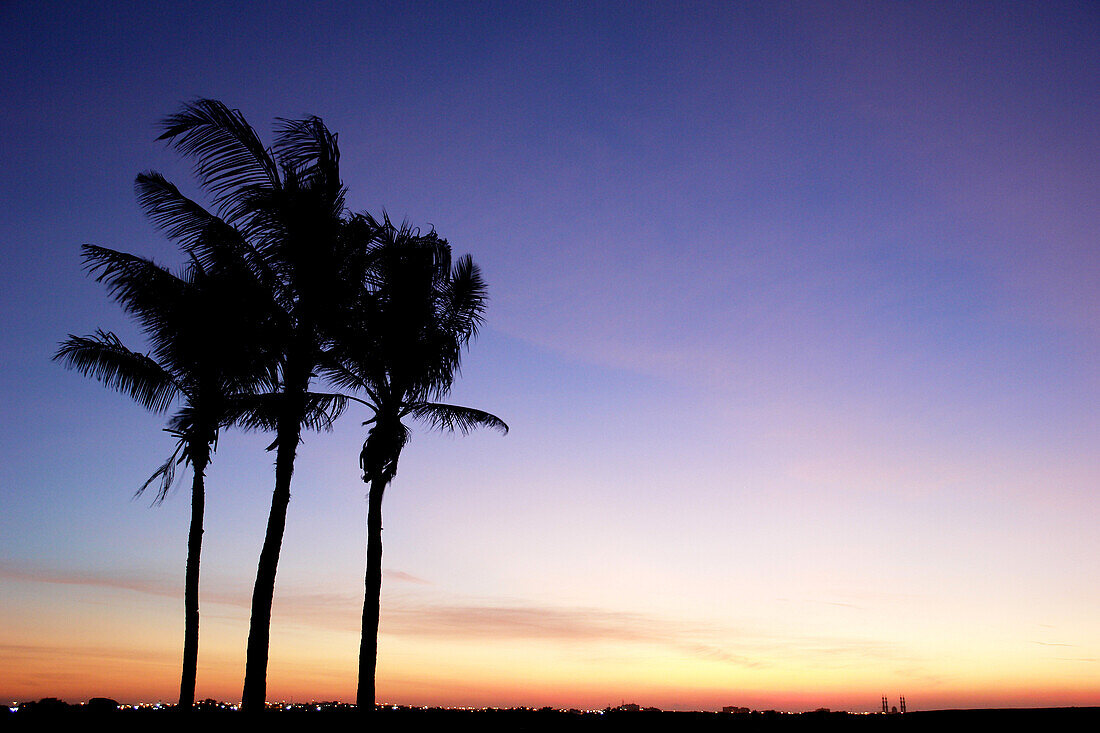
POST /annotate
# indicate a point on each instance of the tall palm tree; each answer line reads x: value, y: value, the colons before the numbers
x: 415, y: 316
x: 199, y: 326
x: 287, y: 203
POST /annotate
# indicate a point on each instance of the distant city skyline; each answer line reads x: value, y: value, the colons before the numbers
x: 794, y: 316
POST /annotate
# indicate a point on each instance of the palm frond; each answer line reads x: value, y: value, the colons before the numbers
x: 165, y: 475
x: 306, y: 144
x: 253, y: 412
x: 263, y: 411
x: 180, y: 218
x: 103, y: 357
x: 454, y: 417
x: 466, y: 296
x: 322, y: 410
x: 214, y: 243
x: 229, y: 158
x: 138, y: 284
x: 343, y: 376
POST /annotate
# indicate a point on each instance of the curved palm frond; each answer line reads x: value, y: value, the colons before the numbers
x: 466, y: 296
x: 307, y: 144
x: 254, y: 411
x: 455, y: 418
x: 165, y: 475
x: 142, y: 287
x: 263, y: 411
x: 180, y: 218
x: 230, y: 160
x: 103, y: 357
x: 215, y: 244
x: 342, y: 376
x: 322, y: 410
x: 125, y: 273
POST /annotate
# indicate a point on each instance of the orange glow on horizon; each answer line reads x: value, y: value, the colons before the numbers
x: 306, y: 665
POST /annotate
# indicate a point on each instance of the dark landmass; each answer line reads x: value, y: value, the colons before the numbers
x: 212, y: 717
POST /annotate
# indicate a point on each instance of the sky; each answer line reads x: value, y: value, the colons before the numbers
x: 794, y: 318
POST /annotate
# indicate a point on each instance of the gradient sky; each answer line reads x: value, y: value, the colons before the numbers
x: 795, y: 318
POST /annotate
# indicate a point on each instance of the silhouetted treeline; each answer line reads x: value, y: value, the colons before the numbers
x: 337, y: 717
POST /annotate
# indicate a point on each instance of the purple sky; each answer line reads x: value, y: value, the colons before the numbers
x: 794, y: 316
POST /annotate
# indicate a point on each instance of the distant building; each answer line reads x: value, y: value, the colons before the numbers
x: 736, y: 710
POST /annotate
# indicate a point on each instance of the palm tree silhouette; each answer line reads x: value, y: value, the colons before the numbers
x: 287, y: 205
x: 197, y: 325
x: 413, y: 320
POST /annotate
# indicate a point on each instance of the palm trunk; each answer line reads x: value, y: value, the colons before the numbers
x: 372, y: 600
x: 191, y: 586
x: 259, y: 632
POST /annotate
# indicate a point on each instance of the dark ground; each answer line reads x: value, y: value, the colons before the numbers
x: 407, y: 720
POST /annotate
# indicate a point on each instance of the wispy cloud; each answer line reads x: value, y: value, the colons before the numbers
x: 743, y: 647
x: 528, y: 622
x: 155, y: 586
x: 425, y: 616
x: 403, y: 577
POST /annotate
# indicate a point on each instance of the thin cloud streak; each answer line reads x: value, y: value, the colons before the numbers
x: 403, y: 577
x: 139, y: 585
x: 588, y: 626
x: 411, y: 617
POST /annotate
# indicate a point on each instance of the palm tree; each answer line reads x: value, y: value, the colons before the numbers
x: 414, y: 318
x: 197, y: 326
x: 287, y: 203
